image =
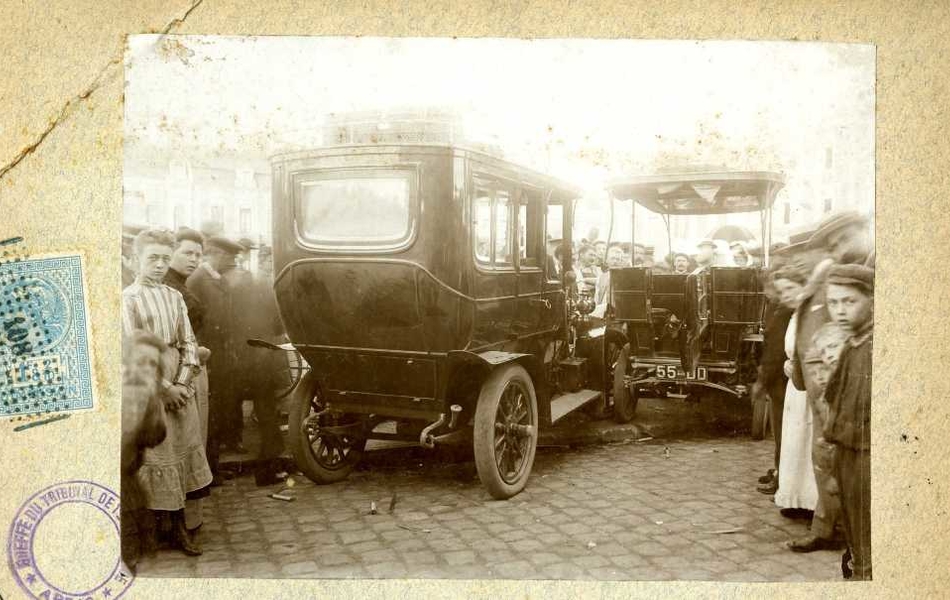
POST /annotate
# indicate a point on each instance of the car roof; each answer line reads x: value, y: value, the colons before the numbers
x: 533, y: 176
x: 701, y: 192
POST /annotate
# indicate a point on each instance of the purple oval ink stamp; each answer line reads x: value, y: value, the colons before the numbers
x: 60, y: 524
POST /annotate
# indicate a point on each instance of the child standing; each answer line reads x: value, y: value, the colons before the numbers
x: 850, y: 299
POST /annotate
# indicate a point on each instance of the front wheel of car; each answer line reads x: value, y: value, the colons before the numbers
x: 760, y: 417
x: 626, y: 397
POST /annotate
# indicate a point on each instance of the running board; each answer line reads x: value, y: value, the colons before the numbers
x: 568, y: 403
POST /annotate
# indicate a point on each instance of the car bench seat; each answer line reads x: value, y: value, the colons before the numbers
x: 737, y: 304
x: 630, y: 299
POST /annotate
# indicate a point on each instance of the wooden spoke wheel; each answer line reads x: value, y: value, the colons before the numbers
x: 506, y: 431
x: 760, y: 416
x: 326, y: 445
x: 626, y: 396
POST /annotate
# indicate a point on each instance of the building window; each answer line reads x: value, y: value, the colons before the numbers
x: 178, y: 169
x: 828, y: 204
x: 244, y: 178
x: 153, y: 214
x: 245, y: 220
x: 829, y: 158
x: 216, y: 214
x: 179, y: 216
x: 788, y: 213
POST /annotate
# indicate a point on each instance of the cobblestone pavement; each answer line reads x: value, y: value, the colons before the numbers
x: 654, y: 510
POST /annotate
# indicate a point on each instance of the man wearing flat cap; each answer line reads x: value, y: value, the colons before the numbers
x: 845, y: 237
x: 222, y: 289
x: 243, y: 258
x: 850, y: 297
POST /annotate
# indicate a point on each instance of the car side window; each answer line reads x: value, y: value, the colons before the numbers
x: 502, y: 228
x: 482, y: 225
x: 553, y: 229
x: 493, y: 223
x: 529, y: 228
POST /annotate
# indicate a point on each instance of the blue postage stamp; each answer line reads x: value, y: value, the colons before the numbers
x: 45, y: 361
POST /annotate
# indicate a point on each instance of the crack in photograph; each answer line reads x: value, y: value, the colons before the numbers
x: 497, y: 308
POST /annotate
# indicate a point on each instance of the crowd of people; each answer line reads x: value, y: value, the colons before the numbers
x: 188, y: 310
x: 592, y: 261
x: 815, y: 370
x: 816, y: 374
x: 190, y: 304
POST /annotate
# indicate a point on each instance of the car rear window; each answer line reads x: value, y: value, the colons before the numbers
x: 355, y: 209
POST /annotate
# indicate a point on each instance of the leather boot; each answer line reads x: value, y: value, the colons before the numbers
x: 186, y: 541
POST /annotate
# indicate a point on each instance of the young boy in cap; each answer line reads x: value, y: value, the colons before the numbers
x: 850, y: 297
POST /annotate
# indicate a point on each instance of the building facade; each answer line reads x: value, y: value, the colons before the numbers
x: 176, y: 192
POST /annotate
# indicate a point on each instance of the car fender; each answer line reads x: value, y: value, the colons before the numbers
x: 467, y: 370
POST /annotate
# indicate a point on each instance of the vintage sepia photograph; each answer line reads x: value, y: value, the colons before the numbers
x: 548, y: 309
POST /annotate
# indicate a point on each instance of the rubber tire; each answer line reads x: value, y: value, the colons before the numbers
x: 760, y: 417
x: 300, y: 445
x: 484, y: 434
x: 625, y: 399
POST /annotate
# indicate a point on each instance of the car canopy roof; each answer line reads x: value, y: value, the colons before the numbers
x: 701, y: 193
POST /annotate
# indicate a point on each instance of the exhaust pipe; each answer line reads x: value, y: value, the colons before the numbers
x: 425, y: 437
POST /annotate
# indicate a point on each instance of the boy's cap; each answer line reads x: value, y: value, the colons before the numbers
x: 706, y: 242
x: 853, y: 275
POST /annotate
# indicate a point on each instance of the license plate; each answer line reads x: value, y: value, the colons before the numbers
x: 674, y: 373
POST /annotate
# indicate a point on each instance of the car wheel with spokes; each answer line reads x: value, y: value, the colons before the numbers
x: 326, y: 445
x: 626, y: 396
x: 506, y: 431
x: 760, y: 416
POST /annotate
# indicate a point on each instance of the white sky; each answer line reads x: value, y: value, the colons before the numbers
x: 583, y: 110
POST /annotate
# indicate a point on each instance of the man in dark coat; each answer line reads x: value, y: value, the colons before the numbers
x: 271, y: 369
x: 772, y: 380
x: 850, y: 295
x: 221, y: 288
x: 846, y: 238
x: 186, y: 257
